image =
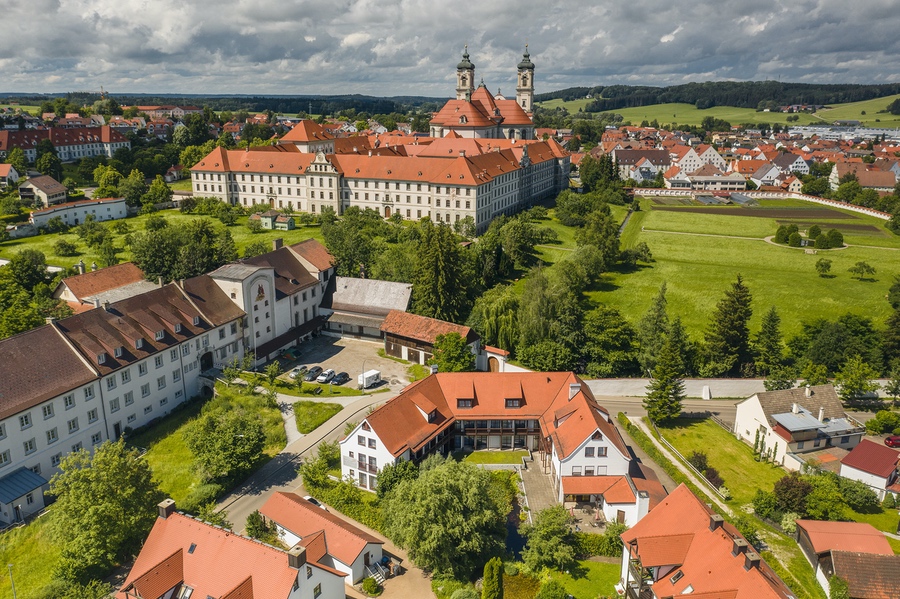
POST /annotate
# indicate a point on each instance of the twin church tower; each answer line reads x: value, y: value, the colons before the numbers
x: 465, y: 80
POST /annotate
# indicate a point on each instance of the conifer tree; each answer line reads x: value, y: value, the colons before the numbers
x: 768, y: 346
x: 666, y: 389
x: 728, y: 337
x: 652, y: 330
x: 440, y: 287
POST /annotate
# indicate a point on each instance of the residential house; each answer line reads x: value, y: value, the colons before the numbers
x: 175, y: 173
x: 710, y: 178
x: 641, y: 165
x: 185, y: 557
x: 348, y: 549
x: 70, y: 144
x: 552, y: 414
x: 709, y: 155
x: 854, y: 551
x: 44, y: 191
x: 867, y: 175
x: 790, y: 422
x: 358, y: 307
x: 74, y: 213
x: 21, y: 494
x: 412, y: 337
x: 766, y: 175
x: 683, y: 548
x: 8, y: 175
x: 873, y: 464
x: 685, y: 157
x: 267, y: 218
x: 791, y: 163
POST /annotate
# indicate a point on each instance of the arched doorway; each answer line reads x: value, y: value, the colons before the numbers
x: 387, y: 211
x: 493, y: 365
x: 206, y: 361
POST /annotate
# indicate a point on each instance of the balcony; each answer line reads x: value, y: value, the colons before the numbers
x: 364, y: 467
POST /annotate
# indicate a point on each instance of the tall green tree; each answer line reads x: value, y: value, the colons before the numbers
x: 601, y: 231
x: 550, y: 541
x: 451, y: 518
x: 16, y: 157
x: 495, y: 317
x: 856, y: 379
x: 768, y: 346
x: 452, y: 354
x: 158, y: 193
x: 28, y: 268
x: 652, y: 330
x: 225, y: 444
x: 890, y: 338
x: 133, y: 188
x: 105, y: 506
x: 609, y: 344
x: 492, y: 583
x: 665, y: 392
x: 728, y: 337
x: 536, y: 308
x: 49, y: 164
x: 391, y: 475
x: 441, y: 285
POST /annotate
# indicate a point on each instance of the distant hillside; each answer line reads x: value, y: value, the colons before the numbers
x: 741, y: 94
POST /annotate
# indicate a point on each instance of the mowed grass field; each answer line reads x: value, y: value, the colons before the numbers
x: 241, y: 234
x: 697, y: 269
x: 688, y: 114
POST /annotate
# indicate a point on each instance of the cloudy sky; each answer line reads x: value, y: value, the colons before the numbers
x: 411, y: 47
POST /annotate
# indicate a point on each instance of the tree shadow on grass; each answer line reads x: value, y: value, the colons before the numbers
x: 577, y: 571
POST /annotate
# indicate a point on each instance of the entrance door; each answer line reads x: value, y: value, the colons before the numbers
x: 366, y: 559
x: 117, y: 430
x: 387, y: 211
x: 620, y: 516
x: 493, y: 365
x: 17, y: 511
x: 206, y: 361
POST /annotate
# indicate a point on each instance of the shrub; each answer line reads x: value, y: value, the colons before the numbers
x: 781, y: 235
x: 883, y: 422
x: 608, y: 544
x: 835, y: 238
x: 789, y: 522
x: 822, y: 242
x: 764, y: 504
x: 465, y: 594
x: 551, y: 590
x: 791, y: 492
x: 699, y: 461
x: 889, y: 502
x: 510, y: 569
x: 712, y: 475
x: 794, y: 240
x: 64, y: 248
x: 814, y: 232
x: 724, y: 492
x: 201, y: 495
x: 858, y: 495
x: 492, y: 587
x: 371, y: 587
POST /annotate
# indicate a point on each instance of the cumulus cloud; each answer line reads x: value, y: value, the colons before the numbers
x: 411, y: 47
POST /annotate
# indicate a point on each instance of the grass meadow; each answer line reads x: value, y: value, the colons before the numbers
x: 697, y: 269
x: 688, y: 114
x: 239, y: 231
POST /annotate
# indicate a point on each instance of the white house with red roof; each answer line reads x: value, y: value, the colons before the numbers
x: 873, y: 464
x: 682, y: 547
x: 187, y: 558
x: 348, y: 548
x: 8, y: 175
x: 554, y: 415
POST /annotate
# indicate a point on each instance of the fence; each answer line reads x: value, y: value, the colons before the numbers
x: 699, y: 474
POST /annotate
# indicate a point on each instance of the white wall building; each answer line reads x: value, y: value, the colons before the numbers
x: 74, y: 213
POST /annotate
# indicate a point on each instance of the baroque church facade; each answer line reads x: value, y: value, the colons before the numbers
x: 477, y: 114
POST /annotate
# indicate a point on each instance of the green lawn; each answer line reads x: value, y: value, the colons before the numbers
x: 698, y: 270
x: 732, y: 458
x: 169, y: 458
x: 884, y: 520
x: 311, y: 414
x: 854, y: 111
x: 590, y: 580
x: 241, y: 234
x: 571, y: 105
x: 181, y: 185
x: 33, y: 556
x: 496, y: 457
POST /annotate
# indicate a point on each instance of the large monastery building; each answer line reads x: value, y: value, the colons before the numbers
x: 481, y: 161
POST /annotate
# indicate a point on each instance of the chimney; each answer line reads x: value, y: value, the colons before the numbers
x: 296, y: 557
x: 166, y: 508
x: 80, y: 267
x: 821, y: 414
x: 161, y: 282
x: 277, y: 244
x: 106, y: 305
x: 370, y: 153
x: 751, y: 560
x: 808, y: 391
x: 574, y: 388
x: 738, y: 547
x: 462, y: 153
x: 795, y: 408
x: 715, y: 521
x: 96, y: 302
x: 50, y: 319
x: 93, y: 266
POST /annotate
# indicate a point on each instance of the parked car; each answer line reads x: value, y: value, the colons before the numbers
x: 315, y: 502
x: 893, y: 441
x: 340, y: 378
x: 297, y: 372
x: 326, y: 376
x: 312, y: 373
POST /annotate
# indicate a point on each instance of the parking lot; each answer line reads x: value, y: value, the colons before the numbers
x: 352, y: 356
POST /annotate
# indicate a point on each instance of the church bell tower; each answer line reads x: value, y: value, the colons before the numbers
x: 465, y: 77
x: 525, y: 85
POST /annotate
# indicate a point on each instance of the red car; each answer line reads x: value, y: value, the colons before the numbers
x: 893, y: 441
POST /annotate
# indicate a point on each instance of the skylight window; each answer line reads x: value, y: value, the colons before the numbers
x: 192, y: 547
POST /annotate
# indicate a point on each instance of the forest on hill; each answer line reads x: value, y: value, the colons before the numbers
x: 743, y: 94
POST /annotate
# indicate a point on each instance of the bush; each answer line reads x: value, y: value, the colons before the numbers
x: 889, y: 502
x: 551, y: 590
x: 835, y: 238
x: 794, y: 240
x: 371, y: 587
x: 724, y: 492
x: 789, y: 522
x: 883, y: 422
x: 781, y: 235
x: 201, y: 495
x: 492, y: 587
x: 510, y: 569
x: 858, y: 495
x: 822, y: 242
x: 465, y: 594
x: 814, y: 232
x: 698, y: 460
x: 764, y: 504
x: 608, y: 544
x: 64, y: 248
x: 712, y: 475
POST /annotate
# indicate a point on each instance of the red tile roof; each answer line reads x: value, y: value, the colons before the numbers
x: 872, y: 458
x: 307, y: 131
x: 868, y: 576
x: 112, y: 277
x: 315, y: 253
x: 214, y: 561
x: 422, y: 328
x: 847, y: 536
x: 677, y: 533
x: 615, y: 489
x: 344, y: 541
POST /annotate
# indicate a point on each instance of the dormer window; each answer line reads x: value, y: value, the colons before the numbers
x: 159, y: 335
x: 196, y: 321
x: 178, y: 328
x: 101, y: 358
x: 138, y: 343
x: 432, y: 415
x: 514, y: 403
x: 464, y: 403
x: 118, y: 352
x: 597, y: 436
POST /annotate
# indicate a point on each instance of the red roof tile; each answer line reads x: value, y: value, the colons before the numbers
x: 872, y: 458
x: 615, y: 489
x: 847, y: 536
x: 104, y: 279
x: 422, y: 328
x: 315, y: 253
x: 868, y: 576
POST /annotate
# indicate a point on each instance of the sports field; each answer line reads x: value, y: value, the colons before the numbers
x: 699, y: 251
x: 688, y: 114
